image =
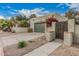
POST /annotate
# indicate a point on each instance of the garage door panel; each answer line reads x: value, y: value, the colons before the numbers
x: 39, y: 27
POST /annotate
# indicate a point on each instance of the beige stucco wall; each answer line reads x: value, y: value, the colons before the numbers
x: 20, y: 29
x: 71, y: 25
x: 77, y: 33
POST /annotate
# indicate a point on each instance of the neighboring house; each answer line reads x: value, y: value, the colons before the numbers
x: 61, y: 28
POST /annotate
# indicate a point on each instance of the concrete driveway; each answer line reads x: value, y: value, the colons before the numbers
x: 7, y: 39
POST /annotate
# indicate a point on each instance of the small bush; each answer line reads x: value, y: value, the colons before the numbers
x: 30, y: 30
x: 31, y: 41
x: 21, y: 44
x: 23, y: 23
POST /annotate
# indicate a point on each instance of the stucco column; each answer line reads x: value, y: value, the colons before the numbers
x: 68, y: 38
x: 53, y: 26
x: 50, y: 34
x: 71, y: 27
x: 45, y: 28
x: 32, y: 24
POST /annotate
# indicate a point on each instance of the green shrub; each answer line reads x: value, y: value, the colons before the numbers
x: 21, y: 44
x: 30, y: 30
x: 23, y: 23
x: 31, y: 41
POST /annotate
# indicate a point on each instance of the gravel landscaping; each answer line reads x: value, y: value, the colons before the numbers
x: 66, y: 51
x: 13, y: 50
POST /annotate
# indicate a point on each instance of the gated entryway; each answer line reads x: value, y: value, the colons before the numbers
x: 39, y: 27
x: 60, y: 28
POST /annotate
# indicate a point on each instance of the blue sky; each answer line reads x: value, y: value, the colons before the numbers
x: 12, y: 9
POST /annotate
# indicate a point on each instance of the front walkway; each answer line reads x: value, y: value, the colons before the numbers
x: 46, y: 49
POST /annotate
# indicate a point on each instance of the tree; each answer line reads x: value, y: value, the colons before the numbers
x: 18, y: 18
x: 1, y: 22
x: 69, y: 14
x: 12, y: 21
x: 73, y: 14
x: 33, y: 16
x: 77, y: 18
x: 5, y: 24
x: 23, y: 23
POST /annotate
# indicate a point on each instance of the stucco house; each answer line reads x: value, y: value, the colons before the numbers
x: 40, y: 21
x: 65, y: 29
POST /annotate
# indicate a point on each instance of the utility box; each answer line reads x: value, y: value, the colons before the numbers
x: 68, y: 38
x: 50, y: 36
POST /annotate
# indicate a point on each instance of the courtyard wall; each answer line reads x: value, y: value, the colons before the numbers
x: 76, y: 39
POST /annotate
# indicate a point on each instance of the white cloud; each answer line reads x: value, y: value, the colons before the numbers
x: 24, y: 12
x: 4, y: 7
x: 63, y: 5
x: 14, y: 10
x: 74, y: 6
x: 59, y: 5
x: 2, y: 17
x: 67, y: 4
x: 37, y: 11
x: 62, y: 14
x: 8, y: 18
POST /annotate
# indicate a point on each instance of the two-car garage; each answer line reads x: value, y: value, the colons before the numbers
x: 39, y: 27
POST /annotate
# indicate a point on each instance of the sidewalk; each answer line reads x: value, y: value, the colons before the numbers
x: 45, y: 50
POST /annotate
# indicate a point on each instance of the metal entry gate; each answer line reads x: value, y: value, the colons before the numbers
x: 60, y: 28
